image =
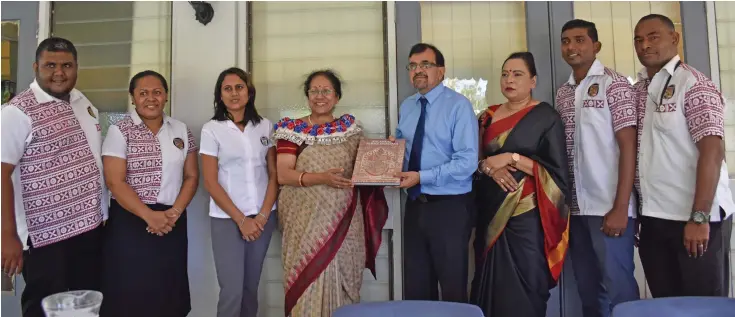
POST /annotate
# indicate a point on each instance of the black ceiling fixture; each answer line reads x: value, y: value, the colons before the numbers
x: 203, y: 11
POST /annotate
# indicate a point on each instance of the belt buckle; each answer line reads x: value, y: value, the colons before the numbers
x: 422, y: 198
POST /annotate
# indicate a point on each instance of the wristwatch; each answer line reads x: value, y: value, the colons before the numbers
x: 699, y: 217
x: 516, y: 158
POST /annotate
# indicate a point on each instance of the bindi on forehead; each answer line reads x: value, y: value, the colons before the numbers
x: 514, y: 71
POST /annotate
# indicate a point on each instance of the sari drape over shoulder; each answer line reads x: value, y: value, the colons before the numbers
x: 521, y: 236
x: 329, y: 235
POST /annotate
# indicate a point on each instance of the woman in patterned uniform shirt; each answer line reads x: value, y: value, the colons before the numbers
x: 150, y: 166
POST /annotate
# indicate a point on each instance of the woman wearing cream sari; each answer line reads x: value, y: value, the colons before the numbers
x: 331, y: 230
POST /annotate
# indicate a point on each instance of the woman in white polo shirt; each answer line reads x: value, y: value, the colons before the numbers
x: 239, y: 167
x: 150, y: 166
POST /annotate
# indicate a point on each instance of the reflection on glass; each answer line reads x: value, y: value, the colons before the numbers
x: 474, y: 90
x: 9, y: 59
x: 475, y: 39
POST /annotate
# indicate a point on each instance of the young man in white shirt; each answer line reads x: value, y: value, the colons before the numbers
x: 53, y: 192
x: 682, y: 176
x: 598, y: 110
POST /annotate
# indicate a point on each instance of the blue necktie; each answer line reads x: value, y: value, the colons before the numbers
x: 414, y: 161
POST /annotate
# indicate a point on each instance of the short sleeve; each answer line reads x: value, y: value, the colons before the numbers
x: 621, y: 101
x: 209, y: 144
x: 704, y: 110
x: 115, y: 143
x: 287, y: 147
x: 193, y: 148
x: 16, y: 132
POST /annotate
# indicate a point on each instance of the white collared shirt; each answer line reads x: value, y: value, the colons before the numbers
x: 676, y: 109
x: 593, y: 111
x: 16, y: 136
x: 155, y: 166
x: 242, y: 164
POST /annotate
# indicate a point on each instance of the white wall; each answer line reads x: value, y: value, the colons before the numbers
x: 199, y: 54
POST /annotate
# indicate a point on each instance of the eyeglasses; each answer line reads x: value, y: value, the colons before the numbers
x: 323, y: 92
x: 422, y: 65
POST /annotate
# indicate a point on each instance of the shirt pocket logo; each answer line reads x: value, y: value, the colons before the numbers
x: 91, y: 112
x: 593, y: 90
x: 669, y: 92
x: 179, y: 143
x: 265, y: 141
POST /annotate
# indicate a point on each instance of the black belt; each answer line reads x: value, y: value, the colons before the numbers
x: 426, y: 198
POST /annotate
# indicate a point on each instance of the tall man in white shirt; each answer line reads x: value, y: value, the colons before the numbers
x: 53, y: 192
x: 682, y: 176
x: 599, y: 114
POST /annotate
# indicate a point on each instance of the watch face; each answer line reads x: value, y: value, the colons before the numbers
x: 698, y: 217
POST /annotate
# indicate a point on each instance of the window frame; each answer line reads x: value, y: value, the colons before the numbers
x: 248, y: 60
x: 47, y: 24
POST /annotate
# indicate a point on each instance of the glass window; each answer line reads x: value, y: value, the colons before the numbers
x: 475, y: 38
x: 725, y: 24
x: 9, y: 59
x: 291, y: 39
x: 617, y: 42
x: 115, y: 40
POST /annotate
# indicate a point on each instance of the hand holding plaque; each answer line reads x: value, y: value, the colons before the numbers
x: 378, y: 160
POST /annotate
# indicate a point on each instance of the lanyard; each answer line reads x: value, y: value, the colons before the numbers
x: 668, y: 80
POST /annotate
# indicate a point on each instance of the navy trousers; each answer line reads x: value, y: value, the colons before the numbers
x: 603, y: 266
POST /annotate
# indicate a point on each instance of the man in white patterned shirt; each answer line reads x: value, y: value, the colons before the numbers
x: 53, y: 192
x: 599, y: 114
x: 686, y: 201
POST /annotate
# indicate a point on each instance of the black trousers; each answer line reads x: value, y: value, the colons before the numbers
x: 436, y: 247
x: 71, y: 264
x: 669, y: 269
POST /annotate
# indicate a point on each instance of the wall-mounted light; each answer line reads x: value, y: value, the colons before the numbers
x: 203, y: 11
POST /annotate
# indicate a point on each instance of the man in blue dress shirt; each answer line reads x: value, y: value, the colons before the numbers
x: 441, y: 134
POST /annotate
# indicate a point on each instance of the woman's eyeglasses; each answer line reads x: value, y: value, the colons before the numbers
x: 323, y: 92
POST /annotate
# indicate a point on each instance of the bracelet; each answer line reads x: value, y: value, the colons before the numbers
x: 301, y: 179
x: 177, y: 210
x: 264, y: 217
x: 242, y: 221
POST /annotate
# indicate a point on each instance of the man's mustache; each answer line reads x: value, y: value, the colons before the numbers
x: 419, y: 75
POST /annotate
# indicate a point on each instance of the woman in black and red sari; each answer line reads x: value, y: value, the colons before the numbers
x: 521, y: 190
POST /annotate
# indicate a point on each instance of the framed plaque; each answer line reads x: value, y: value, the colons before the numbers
x: 377, y: 161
